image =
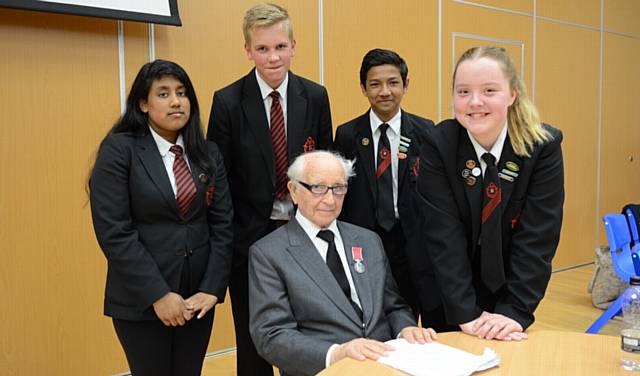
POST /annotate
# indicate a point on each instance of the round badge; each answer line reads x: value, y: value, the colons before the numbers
x: 470, y: 164
x: 365, y: 141
x: 466, y: 173
x: 476, y: 171
x: 359, y: 267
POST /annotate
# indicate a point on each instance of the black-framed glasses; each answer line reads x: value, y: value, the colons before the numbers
x: 321, y: 189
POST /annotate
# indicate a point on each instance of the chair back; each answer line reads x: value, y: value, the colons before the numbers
x: 633, y: 225
x: 619, y: 243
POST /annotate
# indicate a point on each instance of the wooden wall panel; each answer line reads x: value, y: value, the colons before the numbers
x: 621, y: 16
x: 354, y: 27
x: 479, y: 24
x: 567, y: 98
x: 136, y: 50
x: 620, y: 176
x: 60, y: 85
x: 525, y: 6
x: 583, y: 12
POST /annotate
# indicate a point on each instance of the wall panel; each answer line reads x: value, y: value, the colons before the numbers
x: 354, y: 27
x: 525, y: 6
x: 621, y: 16
x: 567, y: 98
x: 620, y: 164
x: 60, y: 81
x: 583, y: 12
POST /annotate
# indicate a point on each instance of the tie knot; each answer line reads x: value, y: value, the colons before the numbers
x: 489, y: 159
x: 326, y: 235
x: 275, y: 95
x: 177, y: 150
x: 383, y: 128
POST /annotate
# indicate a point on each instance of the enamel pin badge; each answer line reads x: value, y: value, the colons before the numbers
x: 356, y: 253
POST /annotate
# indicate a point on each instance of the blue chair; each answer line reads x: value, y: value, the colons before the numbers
x: 632, y: 225
x: 625, y: 262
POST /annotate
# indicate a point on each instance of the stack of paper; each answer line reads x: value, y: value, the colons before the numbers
x: 437, y: 359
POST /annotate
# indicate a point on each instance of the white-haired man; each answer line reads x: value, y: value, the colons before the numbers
x: 321, y: 289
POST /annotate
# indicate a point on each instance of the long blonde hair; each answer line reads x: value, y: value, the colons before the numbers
x: 525, y: 127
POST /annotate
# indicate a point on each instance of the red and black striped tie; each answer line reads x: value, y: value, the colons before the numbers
x: 279, y: 140
x: 185, y: 187
x: 491, y: 263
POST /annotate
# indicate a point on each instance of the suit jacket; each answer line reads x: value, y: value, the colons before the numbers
x: 297, y: 309
x: 238, y: 124
x: 531, y: 210
x: 360, y: 202
x: 142, y: 233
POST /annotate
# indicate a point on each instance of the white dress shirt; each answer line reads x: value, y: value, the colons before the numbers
x: 168, y: 157
x: 393, y: 134
x: 496, y: 149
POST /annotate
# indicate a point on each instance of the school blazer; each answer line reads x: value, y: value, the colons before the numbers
x: 355, y: 141
x: 143, y: 235
x: 531, y: 210
x: 238, y: 124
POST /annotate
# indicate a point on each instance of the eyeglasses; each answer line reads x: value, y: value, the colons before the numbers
x: 321, y: 189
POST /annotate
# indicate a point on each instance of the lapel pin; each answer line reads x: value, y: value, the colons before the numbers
x: 512, y: 166
x: 476, y: 171
x: 203, y: 178
x: 466, y: 173
x: 402, y: 149
x: 405, y: 139
x: 470, y: 181
x: 509, y: 172
x: 356, y: 253
x: 470, y: 164
x: 402, y: 155
x: 505, y: 177
x: 365, y: 141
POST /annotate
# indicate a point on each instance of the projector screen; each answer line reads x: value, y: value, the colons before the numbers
x: 153, y: 11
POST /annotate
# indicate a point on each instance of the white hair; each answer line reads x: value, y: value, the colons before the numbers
x: 296, y: 170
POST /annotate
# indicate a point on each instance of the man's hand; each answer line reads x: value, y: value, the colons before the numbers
x: 494, y: 326
x: 361, y: 349
x: 171, y: 309
x: 202, y: 302
x: 414, y: 334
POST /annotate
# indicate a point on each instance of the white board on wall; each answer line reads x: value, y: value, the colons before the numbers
x: 153, y: 11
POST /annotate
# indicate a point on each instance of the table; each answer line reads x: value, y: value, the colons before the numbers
x: 544, y: 353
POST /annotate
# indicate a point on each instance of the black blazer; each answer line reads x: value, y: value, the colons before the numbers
x: 142, y: 233
x: 238, y: 124
x: 531, y: 220
x: 359, y: 205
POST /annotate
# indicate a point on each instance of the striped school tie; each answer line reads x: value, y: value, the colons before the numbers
x: 279, y: 140
x: 185, y: 187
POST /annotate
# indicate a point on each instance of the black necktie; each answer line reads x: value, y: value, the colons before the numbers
x: 335, y: 265
x: 491, y: 263
x: 385, y: 211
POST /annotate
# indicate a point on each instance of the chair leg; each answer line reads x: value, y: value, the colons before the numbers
x: 614, y: 310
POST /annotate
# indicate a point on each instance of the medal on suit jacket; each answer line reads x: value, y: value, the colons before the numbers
x: 356, y: 253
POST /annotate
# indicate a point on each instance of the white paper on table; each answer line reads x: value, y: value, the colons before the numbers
x: 437, y: 359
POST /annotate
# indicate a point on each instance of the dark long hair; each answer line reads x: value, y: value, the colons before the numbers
x: 135, y: 121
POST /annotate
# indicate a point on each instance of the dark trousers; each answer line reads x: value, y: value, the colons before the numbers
x: 248, y: 362
x: 394, y: 243
x: 154, y: 349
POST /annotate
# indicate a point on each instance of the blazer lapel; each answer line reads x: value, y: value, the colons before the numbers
x: 361, y: 281
x: 472, y: 184
x: 509, y: 161
x: 406, y: 130
x: 150, y: 158
x: 296, y: 115
x: 254, y: 111
x: 306, y: 255
x: 364, y: 148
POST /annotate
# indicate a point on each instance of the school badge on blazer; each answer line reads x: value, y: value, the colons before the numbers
x: 208, y: 195
x: 309, y: 145
x: 415, y: 167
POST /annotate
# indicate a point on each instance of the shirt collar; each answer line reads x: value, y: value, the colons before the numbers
x: 496, y: 149
x: 394, y: 122
x: 164, y: 145
x: 265, y: 89
x: 311, y: 229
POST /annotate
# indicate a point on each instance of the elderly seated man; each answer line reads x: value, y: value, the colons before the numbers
x: 321, y: 289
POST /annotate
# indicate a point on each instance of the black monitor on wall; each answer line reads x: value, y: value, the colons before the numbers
x: 152, y: 11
